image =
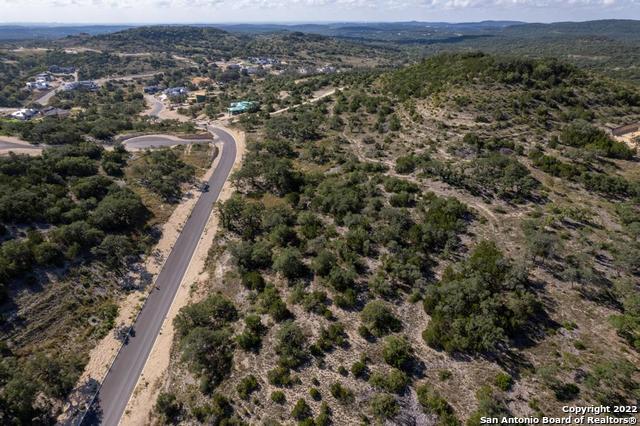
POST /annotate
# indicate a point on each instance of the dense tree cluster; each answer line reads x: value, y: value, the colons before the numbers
x: 90, y: 213
x: 584, y: 135
x: 205, y: 339
x: 163, y: 172
x: 477, y: 306
x: 490, y: 175
x: 63, y: 215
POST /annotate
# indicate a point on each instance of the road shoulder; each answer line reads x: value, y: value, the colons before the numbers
x: 103, y: 354
x: 151, y: 379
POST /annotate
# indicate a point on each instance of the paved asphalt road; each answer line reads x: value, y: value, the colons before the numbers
x: 121, y: 379
x: 158, y: 141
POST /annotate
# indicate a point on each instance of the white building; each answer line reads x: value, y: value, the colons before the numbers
x: 38, y: 85
x: 24, y: 114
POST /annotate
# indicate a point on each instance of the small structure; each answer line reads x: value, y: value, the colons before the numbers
x: 173, y: 92
x: 38, y: 85
x: 54, y: 112
x: 24, y: 114
x: 44, y: 76
x: 87, y: 85
x: 327, y: 69
x: 242, y: 106
x: 623, y: 130
x: 56, y: 69
x: 252, y: 70
x: 151, y: 89
x: 264, y: 60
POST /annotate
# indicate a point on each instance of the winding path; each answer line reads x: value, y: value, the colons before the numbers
x: 116, y: 388
x: 158, y: 141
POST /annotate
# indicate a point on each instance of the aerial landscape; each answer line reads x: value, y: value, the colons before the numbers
x: 319, y: 212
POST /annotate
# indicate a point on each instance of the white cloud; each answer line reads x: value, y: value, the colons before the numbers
x: 267, y: 4
x: 154, y: 11
x: 462, y: 4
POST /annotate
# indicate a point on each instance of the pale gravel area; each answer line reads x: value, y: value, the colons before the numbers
x: 28, y: 151
x: 16, y: 146
x: 631, y: 139
x: 149, y: 384
x: 102, y: 355
x: 163, y: 113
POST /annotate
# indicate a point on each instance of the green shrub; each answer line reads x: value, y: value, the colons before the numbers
x: 384, y: 406
x: 168, y: 407
x: 397, y: 352
x: 342, y: 394
x: 272, y: 303
x: 253, y: 281
x: 278, y: 397
x: 301, y: 410
x: 395, y: 381
x: 378, y: 319
x: 504, y: 381
x: 280, y: 376
x: 405, y: 165
x: 444, y: 375
x: 247, y: 386
x: 433, y: 403
x: 251, y: 338
x: 359, y: 369
x: 324, y: 416
x: 566, y: 392
x: 291, y: 345
x: 584, y: 135
x: 289, y: 263
x: 331, y: 337
x: 213, y: 312
x: 315, y: 394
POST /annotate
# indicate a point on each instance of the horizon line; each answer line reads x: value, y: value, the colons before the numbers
x: 328, y: 22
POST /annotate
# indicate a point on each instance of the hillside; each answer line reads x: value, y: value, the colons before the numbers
x: 452, y: 240
x: 607, y: 46
x: 212, y: 42
x: 29, y: 33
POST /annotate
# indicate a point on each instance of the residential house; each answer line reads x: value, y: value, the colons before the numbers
x: 38, y: 85
x: 24, y: 114
x: 87, y: 85
x: 242, y: 106
x: 44, y: 76
x: 173, y: 92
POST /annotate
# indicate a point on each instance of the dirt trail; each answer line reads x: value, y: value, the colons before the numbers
x: 319, y: 96
x: 439, y: 188
x: 18, y: 146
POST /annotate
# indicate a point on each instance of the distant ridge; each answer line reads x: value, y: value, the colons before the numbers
x: 27, y: 32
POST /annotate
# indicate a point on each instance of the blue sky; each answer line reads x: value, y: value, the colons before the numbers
x: 212, y: 11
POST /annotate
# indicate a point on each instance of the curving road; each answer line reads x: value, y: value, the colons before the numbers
x: 159, y: 141
x: 116, y: 389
